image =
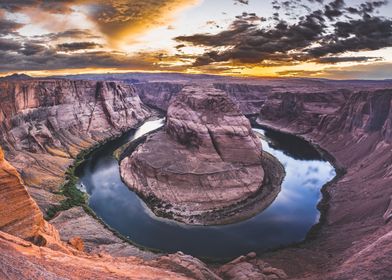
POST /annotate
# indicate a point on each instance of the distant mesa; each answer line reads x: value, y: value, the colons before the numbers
x: 17, y: 76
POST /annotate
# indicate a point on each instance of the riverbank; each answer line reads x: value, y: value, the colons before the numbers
x: 351, y: 214
x: 74, y: 211
x: 126, y: 212
x: 243, y: 210
x: 323, y: 204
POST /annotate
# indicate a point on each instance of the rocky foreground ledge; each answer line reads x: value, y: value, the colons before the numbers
x: 206, y: 166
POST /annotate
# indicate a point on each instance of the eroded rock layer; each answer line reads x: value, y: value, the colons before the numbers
x: 20, y: 260
x: 44, y: 124
x: 207, y: 157
x: 19, y: 214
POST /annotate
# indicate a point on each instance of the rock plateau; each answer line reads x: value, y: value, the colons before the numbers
x: 206, y: 160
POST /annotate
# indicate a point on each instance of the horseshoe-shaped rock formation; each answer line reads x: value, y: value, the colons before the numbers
x: 205, y: 161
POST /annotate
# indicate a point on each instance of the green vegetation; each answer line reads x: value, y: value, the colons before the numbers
x: 73, y: 196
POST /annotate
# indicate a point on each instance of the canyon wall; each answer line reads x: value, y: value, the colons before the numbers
x: 349, y: 124
x: 44, y: 124
x: 249, y: 97
x: 22, y: 260
x: 157, y: 94
x: 355, y: 128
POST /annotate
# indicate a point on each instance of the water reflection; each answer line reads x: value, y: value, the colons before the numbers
x: 287, y: 220
x: 291, y: 145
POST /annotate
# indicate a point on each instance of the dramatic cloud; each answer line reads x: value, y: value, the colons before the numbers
x: 32, y: 49
x: 52, y: 60
x: 366, y: 8
x: 71, y: 33
x: 250, y: 17
x: 145, y: 35
x: 250, y: 44
x: 337, y: 59
x: 8, y: 27
x: 246, y: 2
x: 317, y: 37
x: 369, y: 33
x: 334, y: 9
x: 60, y: 6
x: 115, y: 18
x: 77, y: 46
x: 9, y: 45
x: 128, y: 18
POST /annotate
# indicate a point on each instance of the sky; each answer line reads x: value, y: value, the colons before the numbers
x: 337, y: 39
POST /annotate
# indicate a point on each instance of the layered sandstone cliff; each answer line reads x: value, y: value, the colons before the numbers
x: 20, y: 260
x: 19, y: 214
x: 158, y: 94
x: 206, y: 159
x: 248, y: 97
x: 44, y: 124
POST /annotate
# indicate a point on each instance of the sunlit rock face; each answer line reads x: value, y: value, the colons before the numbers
x: 206, y: 158
x: 23, y: 260
x: 19, y: 215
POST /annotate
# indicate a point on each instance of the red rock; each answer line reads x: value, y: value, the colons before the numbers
x: 249, y: 268
x: 355, y: 128
x: 96, y: 237
x: 21, y: 260
x: 388, y: 213
x: 19, y: 214
x: 207, y: 158
x: 44, y: 124
x: 352, y: 120
x: 77, y: 243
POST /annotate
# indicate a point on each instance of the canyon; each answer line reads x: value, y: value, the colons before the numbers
x: 46, y: 123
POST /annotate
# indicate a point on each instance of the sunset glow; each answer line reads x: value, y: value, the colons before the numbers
x: 309, y: 38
